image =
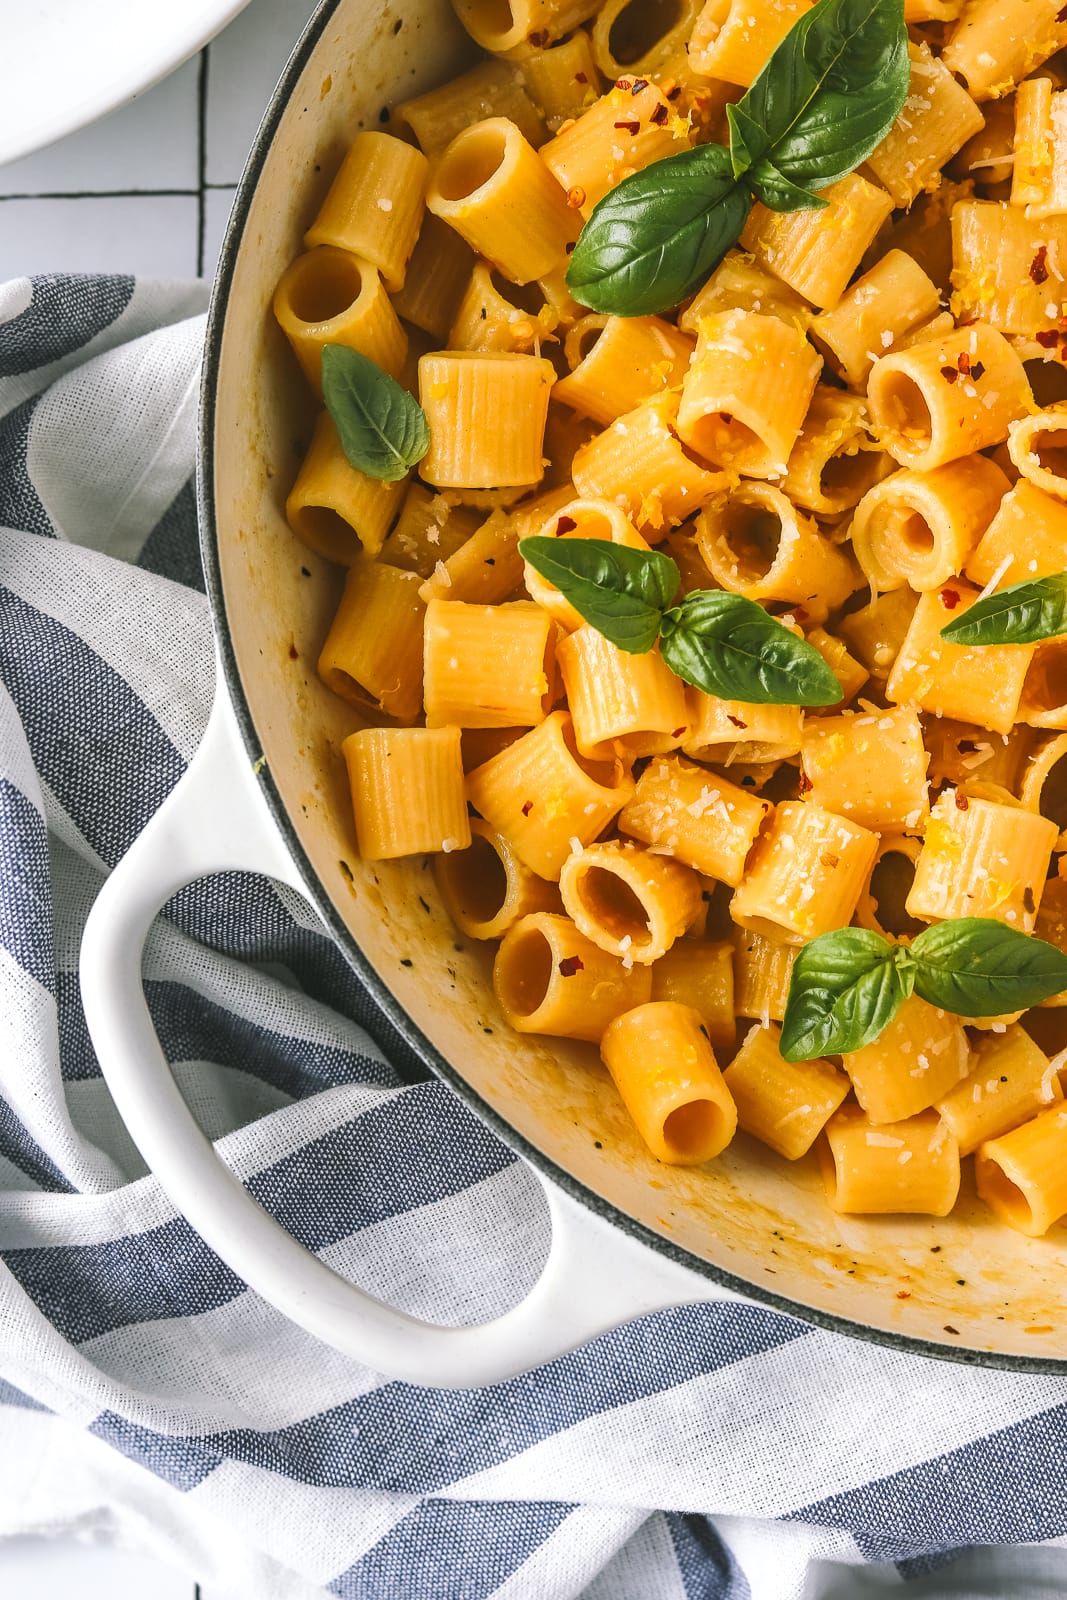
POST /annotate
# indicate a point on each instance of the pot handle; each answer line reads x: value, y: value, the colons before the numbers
x: 216, y: 820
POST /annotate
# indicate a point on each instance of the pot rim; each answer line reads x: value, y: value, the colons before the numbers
x: 391, y: 1012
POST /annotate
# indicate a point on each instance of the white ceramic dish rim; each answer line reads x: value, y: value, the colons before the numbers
x: 393, y: 1017
x: 91, y: 90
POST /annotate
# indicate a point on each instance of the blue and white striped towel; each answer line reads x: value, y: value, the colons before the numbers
x: 147, y: 1396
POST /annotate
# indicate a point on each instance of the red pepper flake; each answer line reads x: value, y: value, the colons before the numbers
x: 962, y: 802
x: 623, y: 83
x: 950, y: 1329
x: 1048, y: 338
x: 1061, y: 16
x: 1039, y: 266
x: 527, y: 807
x: 950, y: 374
x: 736, y: 721
x: 977, y: 370
x: 638, y: 84
x: 539, y: 39
x: 950, y: 599
x: 659, y: 115
x: 677, y: 733
x: 829, y: 860
x: 903, y: 1294
x: 673, y: 92
x: 576, y: 197
x: 294, y: 653
x: 565, y: 525
x: 1029, y: 904
x: 963, y: 363
x: 629, y: 125
x: 581, y: 77
x: 727, y: 417
x: 570, y: 965
x: 804, y: 784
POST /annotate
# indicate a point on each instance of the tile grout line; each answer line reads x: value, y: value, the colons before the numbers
x: 201, y: 170
x: 109, y: 194
x: 94, y: 194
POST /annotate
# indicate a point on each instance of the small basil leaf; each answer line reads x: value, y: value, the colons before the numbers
x: 778, y: 193
x: 728, y: 646
x: 833, y: 88
x: 382, y: 429
x: 1022, y: 614
x: 977, y: 967
x: 845, y: 988
x: 620, y: 592
x: 658, y: 234
x: 747, y: 140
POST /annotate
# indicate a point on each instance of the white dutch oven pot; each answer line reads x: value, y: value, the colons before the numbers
x: 266, y: 793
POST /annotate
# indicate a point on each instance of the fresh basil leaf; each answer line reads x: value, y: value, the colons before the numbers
x: 978, y: 967
x: 845, y: 988
x: 658, y: 234
x: 778, y: 193
x: 746, y: 137
x: 1022, y: 614
x: 620, y: 592
x: 831, y: 91
x: 382, y: 429
x: 729, y: 646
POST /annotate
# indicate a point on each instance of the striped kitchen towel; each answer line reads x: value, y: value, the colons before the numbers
x: 145, y: 1394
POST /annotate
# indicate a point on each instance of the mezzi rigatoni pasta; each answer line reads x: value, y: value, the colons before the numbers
x: 853, y: 423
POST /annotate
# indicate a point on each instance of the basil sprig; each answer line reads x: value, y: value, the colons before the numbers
x: 824, y: 100
x: 847, y: 986
x: 658, y: 234
x: 719, y: 642
x: 382, y: 429
x: 1024, y: 613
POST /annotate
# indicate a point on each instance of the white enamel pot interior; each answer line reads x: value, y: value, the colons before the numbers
x: 749, y: 1223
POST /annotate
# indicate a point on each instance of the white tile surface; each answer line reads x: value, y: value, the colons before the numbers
x: 151, y: 234
x: 45, y: 1569
x: 129, y: 193
x: 149, y: 144
x: 244, y: 64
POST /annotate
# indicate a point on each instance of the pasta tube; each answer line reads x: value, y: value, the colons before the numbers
x: 1022, y: 1176
x: 375, y: 204
x: 495, y: 190
x: 982, y: 859
x: 629, y: 902
x: 920, y: 528
x: 487, y: 889
x: 549, y: 978
x: 691, y: 814
x: 947, y: 397
x: 387, y: 767
x: 782, y: 1103
x: 665, y: 1070
x: 918, y: 1058
x: 909, y: 1166
x: 869, y: 768
x: 542, y: 795
x: 488, y: 666
x: 621, y: 704
x: 328, y: 296
x: 335, y: 509
x: 747, y: 391
x: 806, y: 874
x: 1010, y: 1081
x: 700, y: 974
